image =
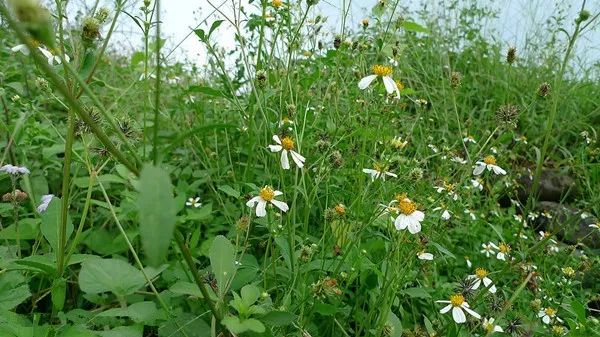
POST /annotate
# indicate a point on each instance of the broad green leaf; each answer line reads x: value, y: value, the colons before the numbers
x: 279, y: 318
x: 140, y: 312
x: 157, y: 213
x: 214, y: 26
x: 185, y: 324
x: 414, y: 27
x: 13, y: 290
x: 112, y: 275
x: 229, y: 191
x: 186, y: 288
x: 237, y: 326
x: 51, y: 223
x: 77, y: 331
x: 395, y: 323
x: 416, y: 293
x: 123, y: 331
x: 325, y: 309
x: 222, y: 261
x: 250, y: 294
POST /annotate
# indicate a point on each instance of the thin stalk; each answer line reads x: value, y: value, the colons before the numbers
x: 157, y: 91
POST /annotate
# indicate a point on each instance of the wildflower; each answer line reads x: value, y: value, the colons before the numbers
x: 586, y: 136
x: 326, y: 287
x: 469, y: 263
x: 543, y: 90
x: 521, y: 139
x: 17, y: 196
x: 340, y: 209
x: 277, y: 3
x: 471, y: 214
x: 547, y: 315
x: 457, y: 304
x: 446, y: 215
x: 458, y: 159
x: 409, y: 216
x: 455, y: 79
x: 422, y: 255
x: 378, y: 171
x: 508, y: 115
x: 469, y: 139
x: 284, y: 146
x: 489, y: 249
x: 384, y: 72
x: 14, y: 170
x: 398, y: 143
x: 489, y: 163
x: 481, y: 276
x: 190, y: 99
x: 44, y: 203
x: 266, y: 195
x: 559, y: 330
x: 477, y: 183
x: 488, y: 325
x: 449, y: 189
x: 52, y: 59
x: 568, y: 271
x: 433, y: 148
x: 194, y: 202
x: 503, y: 251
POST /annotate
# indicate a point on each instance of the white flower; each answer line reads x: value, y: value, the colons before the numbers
x: 458, y: 159
x: 469, y: 263
x: 457, y: 304
x: 45, y: 201
x: 446, y: 215
x: 409, y: 217
x: 471, y: 214
x: 384, y: 72
x: 547, y: 315
x: 503, y: 251
x: 378, y: 171
x: 266, y: 195
x: 433, y: 148
x: 14, y: 170
x: 189, y: 99
x: 476, y: 183
x: 422, y: 255
x: 284, y: 146
x: 469, y: 139
x: 489, y: 249
x: 488, y: 162
x: 488, y: 325
x: 49, y: 56
x: 481, y: 276
x: 194, y: 202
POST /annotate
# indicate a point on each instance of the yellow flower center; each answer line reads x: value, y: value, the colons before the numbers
x: 490, y: 160
x: 546, y: 234
x: 400, y: 85
x: 34, y: 42
x: 407, y: 207
x: 568, y: 271
x: 340, y: 209
x: 489, y: 327
x: 550, y: 312
x: 380, y: 70
x: 457, y: 300
x: 481, y: 273
x: 287, y: 143
x: 267, y: 193
x: 378, y: 167
x: 277, y: 3
x: 504, y: 248
x: 448, y: 187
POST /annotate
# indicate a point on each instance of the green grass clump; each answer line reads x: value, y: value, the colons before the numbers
x: 365, y: 182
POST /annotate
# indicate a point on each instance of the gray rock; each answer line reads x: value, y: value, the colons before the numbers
x: 554, y: 186
x: 568, y: 224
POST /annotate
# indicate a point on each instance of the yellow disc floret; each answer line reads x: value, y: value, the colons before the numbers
x: 340, y: 209
x: 550, y: 312
x: 267, y: 193
x: 489, y: 160
x: 457, y: 300
x: 481, y: 273
x: 400, y: 85
x: 381, y: 70
x: 277, y: 3
x: 287, y: 143
x: 407, y: 207
x: 504, y: 248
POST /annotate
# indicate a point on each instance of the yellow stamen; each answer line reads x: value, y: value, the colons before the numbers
x: 504, y: 248
x: 267, y: 193
x: 407, y: 207
x: 381, y: 70
x: 287, y: 143
x: 550, y: 312
x: 457, y: 300
x: 400, y: 85
x: 277, y: 3
x: 448, y: 187
x: 481, y: 273
x: 378, y: 167
x: 340, y: 209
x: 489, y: 160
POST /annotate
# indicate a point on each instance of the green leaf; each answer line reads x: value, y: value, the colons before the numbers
x: 157, y: 213
x: 186, y: 288
x: 579, y: 310
x: 124, y: 331
x: 13, y: 290
x: 279, y: 318
x: 222, y: 261
x: 201, y: 34
x: 229, y: 191
x: 51, y: 223
x: 185, y: 324
x: 414, y: 27
x: 140, y: 312
x: 325, y: 309
x: 58, y: 293
x: 111, y: 275
x: 416, y: 293
x: 214, y: 26
x: 237, y: 326
x: 207, y: 91
x: 395, y: 323
x: 250, y: 294
x: 443, y: 250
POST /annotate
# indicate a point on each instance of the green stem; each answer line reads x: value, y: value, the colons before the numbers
x: 157, y: 91
x: 64, y: 210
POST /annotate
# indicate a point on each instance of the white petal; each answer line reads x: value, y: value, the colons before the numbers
x: 478, y: 169
x: 20, y: 48
x: 425, y: 256
x: 297, y: 158
x: 281, y: 205
x: 414, y: 226
x: 498, y: 170
x: 285, y: 161
x: 390, y: 86
x: 253, y: 201
x: 497, y: 328
x: 458, y: 315
x: 276, y: 139
x: 486, y: 281
x: 446, y: 308
x: 442, y: 301
x: 541, y: 313
x: 275, y: 148
x: 391, y: 174
x: 470, y: 311
x: 366, y: 81
x: 476, y: 284
x: 276, y: 193
x: 546, y: 319
x: 401, y: 222
x: 261, y: 208
x: 493, y: 289
x: 418, y: 215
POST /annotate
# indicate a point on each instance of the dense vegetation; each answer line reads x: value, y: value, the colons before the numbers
x: 402, y: 176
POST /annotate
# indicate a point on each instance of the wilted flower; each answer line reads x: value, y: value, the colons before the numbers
x: 543, y: 89
x: 507, y: 115
x: 422, y: 255
x: 488, y: 325
x: 511, y: 55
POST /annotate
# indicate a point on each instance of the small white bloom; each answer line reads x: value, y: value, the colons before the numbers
x: 503, y: 251
x: 489, y: 249
x: 459, y: 160
x: 488, y: 163
x: 481, y: 276
x: 45, y: 201
x: 425, y: 256
x: 409, y: 217
x: 470, y: 214
x: 266, y: 195
x: 469, y: 263
x: 378, y: 171
x: 469, y: 139
x: 284, y: 146
x: 446, y: 215
x: 477, y: 183
x: 433, y: 148
x: 384, y: 72
x: 457, y: 304
x: 488, y: 325
x: 14, y: 170
x: 547, y: 315
x: 194, y: 202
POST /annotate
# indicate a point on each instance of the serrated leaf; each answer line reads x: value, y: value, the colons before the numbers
x: 157, y: 213
x: 222, y: 262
